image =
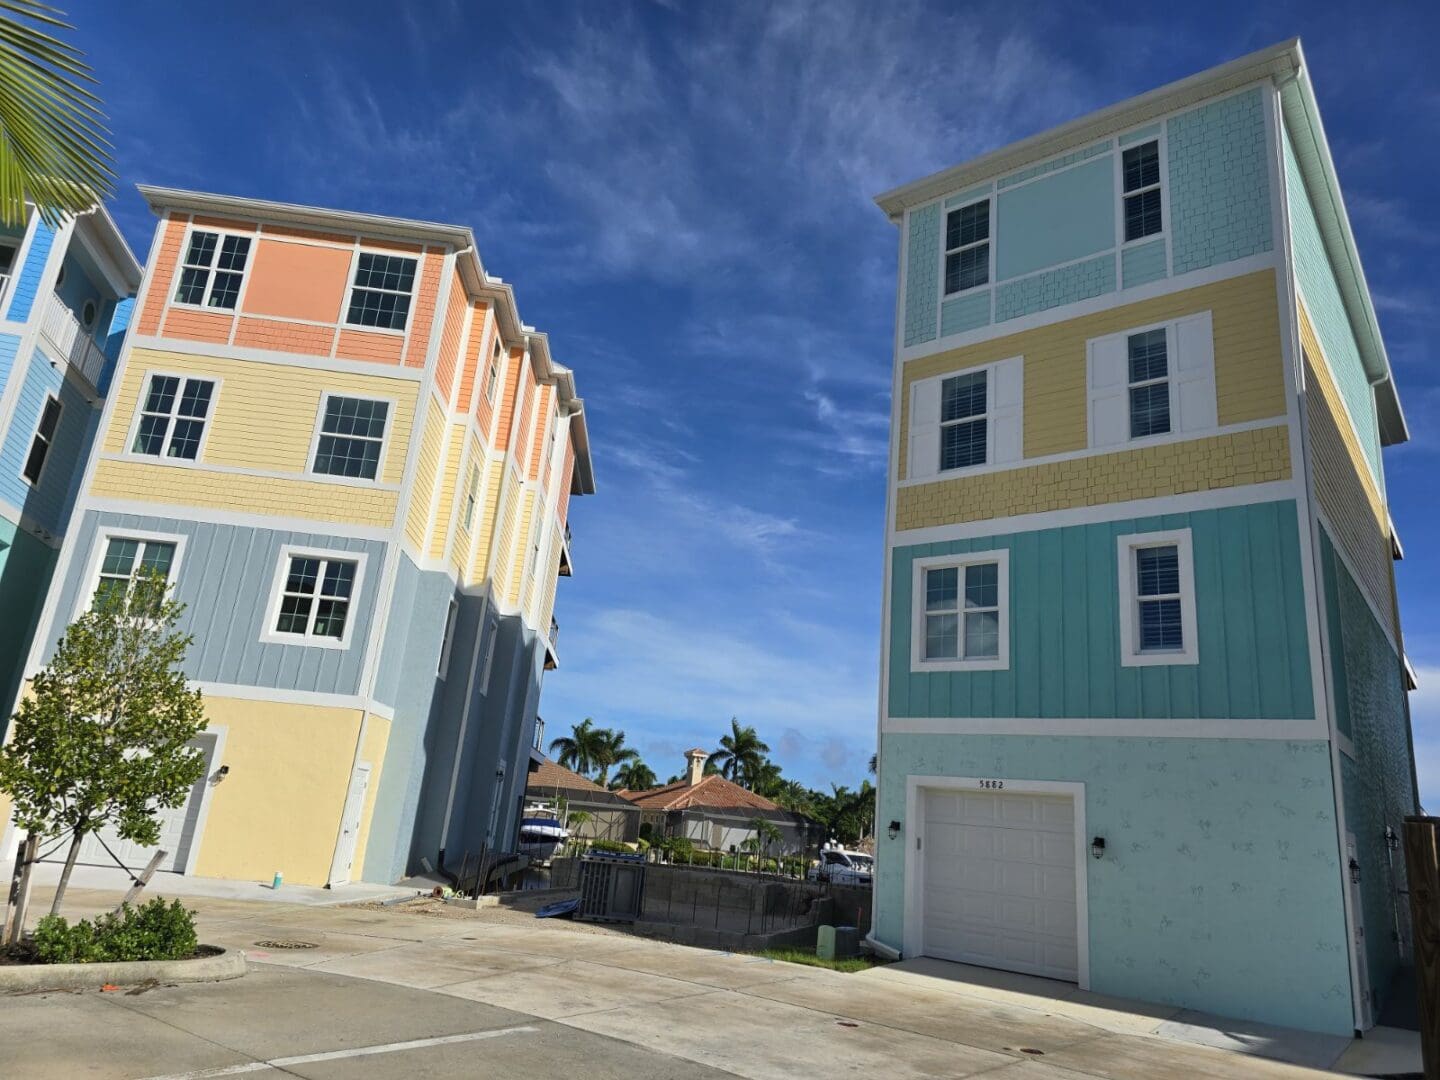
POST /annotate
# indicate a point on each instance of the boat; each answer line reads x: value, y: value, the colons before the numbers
x: 541, y: 834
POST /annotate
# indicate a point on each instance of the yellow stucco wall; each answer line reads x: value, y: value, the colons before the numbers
x: 1249, y: 366
x: 1220, y: 461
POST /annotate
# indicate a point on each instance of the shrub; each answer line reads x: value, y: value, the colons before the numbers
x: 156, y: 931
x: 610, y: 845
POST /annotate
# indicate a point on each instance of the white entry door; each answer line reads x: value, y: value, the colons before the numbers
x: 998, y: 878
x: 350, y: 824
x: 177, y: 828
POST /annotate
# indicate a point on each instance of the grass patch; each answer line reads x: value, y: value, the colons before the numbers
x: 808, y: 957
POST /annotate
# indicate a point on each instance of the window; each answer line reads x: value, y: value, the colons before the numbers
x: 380, y: 295
x: 489, y: 659
x: 314, y: 599
x: 1157, y: 596
x: 967, y: 247
x: 213, y: 269
x: 962, y: 420
x: 961, y: 612
x: 43, y: 440
x: 448, y: 641
x: 492, y: 380
x: 88, y: 312
x: 472, y: 493
x: 352, y: 435
x: 125, y: 558
x: 1141, y: 168
x: 966, y: 420
x: 172, y: 417
x: 1149, y: 384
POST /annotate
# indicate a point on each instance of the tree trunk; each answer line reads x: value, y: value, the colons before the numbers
x: 65, y: 874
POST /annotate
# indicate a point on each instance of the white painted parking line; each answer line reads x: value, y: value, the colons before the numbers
x: 337, y: 1055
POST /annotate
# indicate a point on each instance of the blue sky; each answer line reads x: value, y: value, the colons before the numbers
x: 681, y: 194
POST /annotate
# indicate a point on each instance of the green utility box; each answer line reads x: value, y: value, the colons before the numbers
x: 837, y: 942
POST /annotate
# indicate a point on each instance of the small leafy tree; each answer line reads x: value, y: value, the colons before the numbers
x: 101, y: 738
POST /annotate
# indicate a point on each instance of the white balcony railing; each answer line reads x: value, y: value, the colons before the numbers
x: 71, y: 341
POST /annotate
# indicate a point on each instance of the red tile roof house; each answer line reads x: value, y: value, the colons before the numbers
x: 717, y: 814
x: 611, y: 817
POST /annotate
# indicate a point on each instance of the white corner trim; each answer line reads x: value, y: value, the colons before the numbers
x: 1130, y: 651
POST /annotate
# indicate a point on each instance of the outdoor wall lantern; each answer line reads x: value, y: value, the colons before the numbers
x: 1392, y: 841
x: 1355, y: 871
x: 221, y: 773
x: 894, y: 830
x: 1097, y: 847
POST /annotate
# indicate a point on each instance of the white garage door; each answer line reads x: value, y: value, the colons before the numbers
x: 999, y: 881
x: 177, y: 828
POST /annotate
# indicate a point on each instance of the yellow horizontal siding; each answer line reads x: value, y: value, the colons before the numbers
x: 1249, y: 368
x: 417, y: 518
x: 520, y: 555
x: 487, y: 520
x: 505, y: 539
x: 1220, y: 461
x: 449, y: 474
x: 265, y: 415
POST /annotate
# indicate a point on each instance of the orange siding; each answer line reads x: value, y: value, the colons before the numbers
x: 562, y: 504
x: 422, y: 315
x: 226, y: 223
x: 197, y: 325
x: 369, y: 345
x: 284, y: 336
x: 509, y: 403
x: 297, y: 281
x: 474, y: 350
x: 307, y: 234
x: 544, y: 406
x: 167, y: 258
x: 450, y: 342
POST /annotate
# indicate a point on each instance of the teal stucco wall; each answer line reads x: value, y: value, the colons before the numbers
x: 1254, y: 659
x: 1220, y: 888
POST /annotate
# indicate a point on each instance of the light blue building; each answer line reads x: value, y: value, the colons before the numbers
x: 65, y: 300
x: 1143, y: 720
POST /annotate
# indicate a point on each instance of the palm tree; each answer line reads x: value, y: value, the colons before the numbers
x: 766, y: 779
x: 582, y: 749
x: 634, y: 775
x: 795, y: 796
x: 613, y: 751
x: 740, y: 755
x: 54, y: 149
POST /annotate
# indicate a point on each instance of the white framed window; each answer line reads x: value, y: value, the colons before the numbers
x: 1142, y: 191
x: 8, y: 252
x: 967, y: 419
x: 448, y: 641
x: 42, y: 441
x: 1157, y: 599
x: 1152, y: 382
x: 173, y: 416
x: 492, y: 632
x: 961, y: 612
x: 350, y: 436
x: 967, y: 247
x: 492, y: 378
x: 119, y: 556
x: 213, y: 269
x: 472, y: 495
x: 381, y: 290
x: 312, y: 600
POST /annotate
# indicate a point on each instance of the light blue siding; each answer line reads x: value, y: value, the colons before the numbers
x: 1143, y: 263
x: 226, y: 577
x: 965, y: 312
x: 1220, y: 889
x: 1144, y: 133
x: 1055, y: 163
x: 1219, y: 180
x: 1056, y: 220
x: 49, y: 503
x: 9, y: 346
x: 966, y: 197
x: 922, y: 275
x: 1254, y: 659
x: 1039, y: 292
x: 27, y: 285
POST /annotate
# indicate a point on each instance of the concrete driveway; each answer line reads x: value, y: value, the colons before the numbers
x: 380, y: 994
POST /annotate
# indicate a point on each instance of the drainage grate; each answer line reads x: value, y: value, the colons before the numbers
x: 286, y: 944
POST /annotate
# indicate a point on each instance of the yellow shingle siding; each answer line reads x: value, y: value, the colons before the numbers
x: 449, y: 474
x: 1249, y: 366
x: 264, y: 415
x: 426, y: 472
x: 1344, y: 487
x: 1220, y: 461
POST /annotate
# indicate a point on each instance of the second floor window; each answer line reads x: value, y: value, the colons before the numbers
x: 492, y: 380
x: 213, y: 270
x: 967, y: 247
x: 380, y: 295
x: 472, y: 494
x: 1149, y: 384
x: 1157, y: 591
x: 962, y: 612
x: 352, y: 434
x: 43, y: 440
x: 963, y: 421
x: 315, y: 597
x: 173, y: 417
x: 1141, y: 168
x: 126, y: 558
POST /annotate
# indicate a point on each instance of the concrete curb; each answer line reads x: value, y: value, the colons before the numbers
x: 28, y: 978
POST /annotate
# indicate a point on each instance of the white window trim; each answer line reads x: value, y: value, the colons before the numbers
x: 447, y: 642
x: 138, y: 411
x: 492, y: 631
x: 945, y: 212
x: 990, y: 416
x: 1121, y: 244
x: 97, y: 556
x: 319, y: 430
x: 1174, y: 376
x: 497, y: 360
x: 180, y: 265
x: 50, y: 443
x: 1130, y: 654
x: 470, y: 497
x: 1001, y: 662
x: 344, y: 321
x: 270, y: 636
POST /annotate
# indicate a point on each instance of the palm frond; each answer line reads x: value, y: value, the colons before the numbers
x: 54, y: 147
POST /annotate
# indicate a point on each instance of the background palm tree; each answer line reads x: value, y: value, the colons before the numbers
x: 612, y: 751
x: 634, y: 775
x: 741, y: 754
x: 54, y: 148
x: 581, y: 749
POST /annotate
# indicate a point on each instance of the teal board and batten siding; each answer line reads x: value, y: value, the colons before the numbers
x: 1321, y: 293
x: 226, y: 577
x: 1369, y: 690
x: 1220, y: 889
x: 1254, y: 658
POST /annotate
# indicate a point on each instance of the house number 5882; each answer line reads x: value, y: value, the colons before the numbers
x: 995, y: 784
